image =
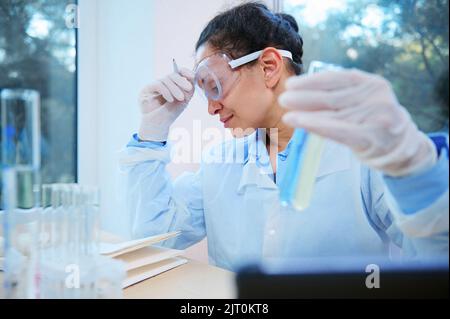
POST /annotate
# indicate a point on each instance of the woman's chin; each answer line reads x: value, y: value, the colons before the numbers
x: 239, y: 132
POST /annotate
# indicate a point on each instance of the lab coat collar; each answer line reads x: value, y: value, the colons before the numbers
x: 335, y: 158
x: 257, y: 169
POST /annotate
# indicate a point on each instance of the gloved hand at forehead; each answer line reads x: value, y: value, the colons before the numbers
x: 162, y: 102
x: 361, y: 111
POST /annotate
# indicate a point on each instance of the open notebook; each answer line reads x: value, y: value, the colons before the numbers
x: 143, y: 261
x: 117, y: 249
x: 142, y: 273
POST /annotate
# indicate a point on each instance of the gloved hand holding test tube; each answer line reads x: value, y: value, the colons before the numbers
x: 297, y: 185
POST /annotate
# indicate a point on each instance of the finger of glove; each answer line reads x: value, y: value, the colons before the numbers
x: 175, y: 91
x: 346, y: 98
x: 315, y: 100
x: 182, y: 82
x: 188, y: 74
x: 327, y: 80
x: 340, y: 131
x: 152, y: 94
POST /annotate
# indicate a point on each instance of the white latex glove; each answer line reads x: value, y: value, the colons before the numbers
x: 162, y: 102
x: 361, y: 111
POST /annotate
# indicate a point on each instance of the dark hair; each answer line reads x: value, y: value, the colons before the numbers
x: 251, y: 27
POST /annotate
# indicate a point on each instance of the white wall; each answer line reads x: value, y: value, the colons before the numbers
x: 115, y: 61
x: 177, y: 26
x: 124, y: 45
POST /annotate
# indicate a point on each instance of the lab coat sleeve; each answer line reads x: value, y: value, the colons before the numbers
x: 421, y: 232
x: 154, y: 203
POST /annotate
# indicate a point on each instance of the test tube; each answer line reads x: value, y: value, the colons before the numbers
x: 92, y: 203
x: 75, y: 222
x: 297, y: 185
x: 72, y: 212
x: 307, y: 176
x: 288, y: 183
x: 45, y: 218
x: 56, y: 221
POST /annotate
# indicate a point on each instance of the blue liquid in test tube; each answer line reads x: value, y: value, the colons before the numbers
x: 297, y: 185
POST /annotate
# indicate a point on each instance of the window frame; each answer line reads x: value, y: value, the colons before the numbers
x: 278, y: 5
x: 87, y: 110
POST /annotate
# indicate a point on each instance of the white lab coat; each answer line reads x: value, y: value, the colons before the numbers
x: 234, y: 205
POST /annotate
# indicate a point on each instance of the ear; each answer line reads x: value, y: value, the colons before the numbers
x: 272, y: 64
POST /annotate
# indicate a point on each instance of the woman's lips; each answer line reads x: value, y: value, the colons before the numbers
x: 225, y: 120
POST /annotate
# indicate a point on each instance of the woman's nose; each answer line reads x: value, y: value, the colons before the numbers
x: 214, y: 107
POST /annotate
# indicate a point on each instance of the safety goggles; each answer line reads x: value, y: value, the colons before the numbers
x: 216, y: 75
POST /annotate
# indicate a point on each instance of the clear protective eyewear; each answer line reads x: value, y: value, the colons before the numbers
x: 216, y: 75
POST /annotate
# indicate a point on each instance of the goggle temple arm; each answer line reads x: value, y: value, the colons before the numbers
x: 254, y: 56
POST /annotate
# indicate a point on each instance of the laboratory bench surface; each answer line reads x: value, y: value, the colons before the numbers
x: 193, y: 280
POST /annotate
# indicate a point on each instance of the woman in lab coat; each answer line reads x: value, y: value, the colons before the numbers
x: 381, y: 182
